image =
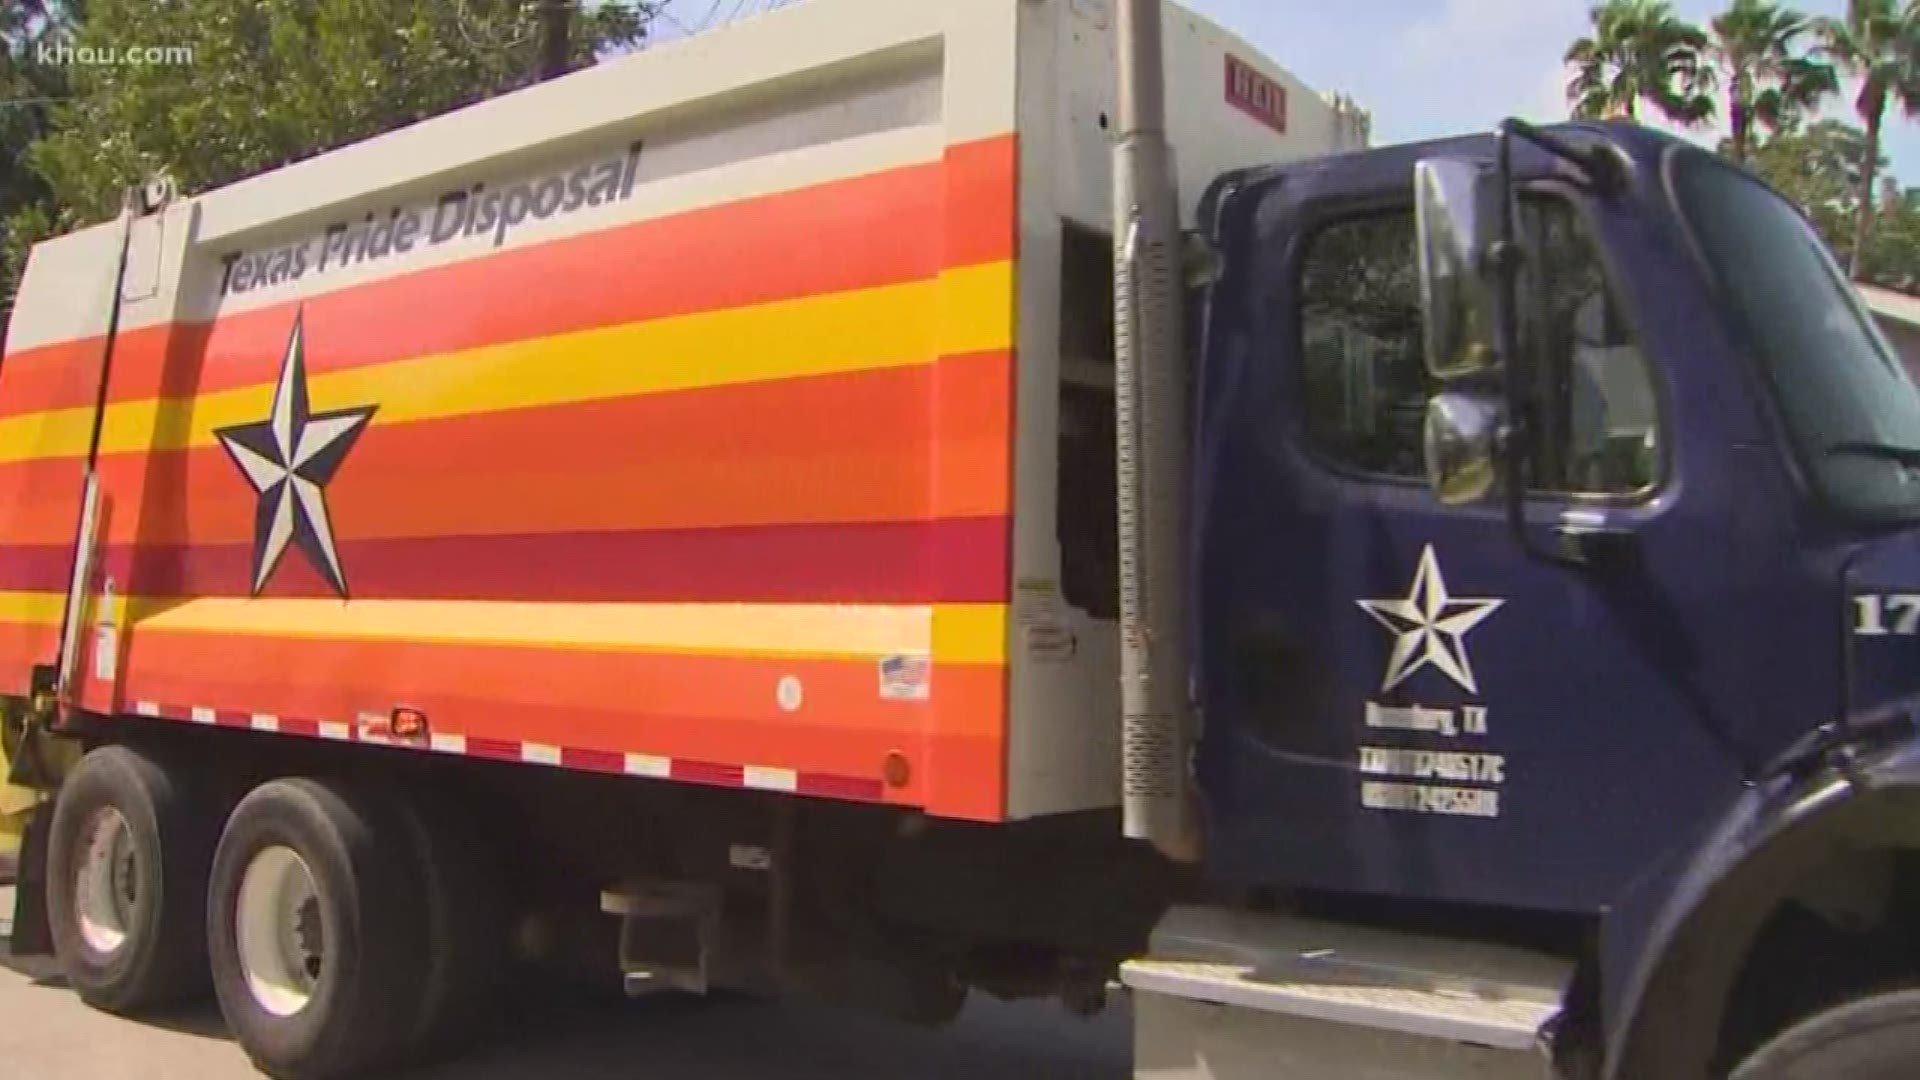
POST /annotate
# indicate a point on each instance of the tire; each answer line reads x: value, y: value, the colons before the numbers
x: 316, y: 931
x: 127, y: 866
x: 467, y: 928
x: 1874, y: 1038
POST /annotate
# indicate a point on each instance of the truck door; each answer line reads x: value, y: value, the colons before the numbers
x: 1399, y: 699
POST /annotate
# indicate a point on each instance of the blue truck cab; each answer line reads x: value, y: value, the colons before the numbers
x: 1554, y: 551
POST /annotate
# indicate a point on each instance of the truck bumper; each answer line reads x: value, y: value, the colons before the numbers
x: 1183, y: 1039
x: 1238, y: 996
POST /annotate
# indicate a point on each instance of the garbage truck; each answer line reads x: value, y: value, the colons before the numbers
x: 896, y: 501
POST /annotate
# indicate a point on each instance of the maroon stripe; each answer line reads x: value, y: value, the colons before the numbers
x: 228, y: 718
x: 296, y: 726
x: 956, y: 560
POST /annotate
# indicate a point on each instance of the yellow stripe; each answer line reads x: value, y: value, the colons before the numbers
x: 49, y: 608
x: 966, y: 310
x: 33, y: 608
x: 953, y: 633
x: 977, y: 308
x: 970, y: 633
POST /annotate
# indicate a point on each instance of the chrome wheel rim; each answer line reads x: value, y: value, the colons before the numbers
x: 277, y: 927
x: 106, y: 882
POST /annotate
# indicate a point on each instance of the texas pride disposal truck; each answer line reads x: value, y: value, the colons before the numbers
x: 896, y: 499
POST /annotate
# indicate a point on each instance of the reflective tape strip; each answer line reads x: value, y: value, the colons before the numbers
x: 658, y: 768
x: 650, y: 766
x: 764, y: 779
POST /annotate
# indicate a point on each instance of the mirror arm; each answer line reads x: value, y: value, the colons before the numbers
x: 1604, y: 167
x: 1504, y: 260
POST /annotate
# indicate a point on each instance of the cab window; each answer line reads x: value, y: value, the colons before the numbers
x: 1365, y: 387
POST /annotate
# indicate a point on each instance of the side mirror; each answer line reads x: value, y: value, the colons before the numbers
x: 1464, y: 430
x: 1457, y: 208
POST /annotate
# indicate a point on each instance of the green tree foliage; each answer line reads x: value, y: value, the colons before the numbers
x: 274, y: 81
x: 1770, y: 80
x: 1878, y: 43
x: 1775, y: 66
x: 28, y: 91
x: 1893, y: 253
x: 1820, y: 169
x: 1641, y: 51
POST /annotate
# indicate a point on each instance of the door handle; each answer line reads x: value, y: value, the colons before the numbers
x: 1595, y: 546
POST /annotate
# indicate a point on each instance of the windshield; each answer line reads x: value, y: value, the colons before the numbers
x: 1851, y: 410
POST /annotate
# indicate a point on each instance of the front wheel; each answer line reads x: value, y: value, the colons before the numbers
x: 1874, y: 1038
x: 127, y: 881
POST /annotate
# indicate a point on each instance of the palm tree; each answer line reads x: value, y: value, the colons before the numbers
x: 1770, y: 80
x: 1640, y: 50
x: 1877, y: 43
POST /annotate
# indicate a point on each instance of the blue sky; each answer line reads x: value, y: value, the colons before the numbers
x: 1425, y: 68
x: 1439, y: 67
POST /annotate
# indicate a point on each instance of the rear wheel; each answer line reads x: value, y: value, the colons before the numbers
x: 1875, y: 1038
x: 315, y: 929
x: 127, y: 879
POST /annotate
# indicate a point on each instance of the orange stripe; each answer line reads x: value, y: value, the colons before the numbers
x: 720, y: 709
x: 22, y: 645
x: 40, y: 500
x: 973, y: 435
x: 846, y: 235
x: 850, y: 447
x: 967, y: 745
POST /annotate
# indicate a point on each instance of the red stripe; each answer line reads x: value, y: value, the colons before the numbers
x: 841, y: 787
x: 606, y: 761
x: 229, y: 719
x: 493, y: 749
x: 982, y: 211
x: 706, y: 772
x: 297, y: 726
x: 955, y: 561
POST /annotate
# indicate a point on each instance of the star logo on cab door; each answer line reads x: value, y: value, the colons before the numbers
x: 1430, y: 627
x: 289, y: 458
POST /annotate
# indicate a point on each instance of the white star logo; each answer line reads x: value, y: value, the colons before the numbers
x: 1430, y: 627
x: 289, y: 458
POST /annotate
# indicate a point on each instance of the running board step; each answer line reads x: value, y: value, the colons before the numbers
x: 667, y: 934
x: 1395, y: 994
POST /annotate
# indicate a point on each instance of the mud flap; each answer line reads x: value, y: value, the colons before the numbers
x: 31, y: 934
x: 32, y: 764
x: 17, y: 797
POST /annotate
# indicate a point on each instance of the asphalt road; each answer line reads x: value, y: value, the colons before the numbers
x: 47, y: 1034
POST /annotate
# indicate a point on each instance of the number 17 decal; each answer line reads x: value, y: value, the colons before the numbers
x: 1879, y: 616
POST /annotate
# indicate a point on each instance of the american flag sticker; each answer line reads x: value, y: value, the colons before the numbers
x: 906, y: 678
